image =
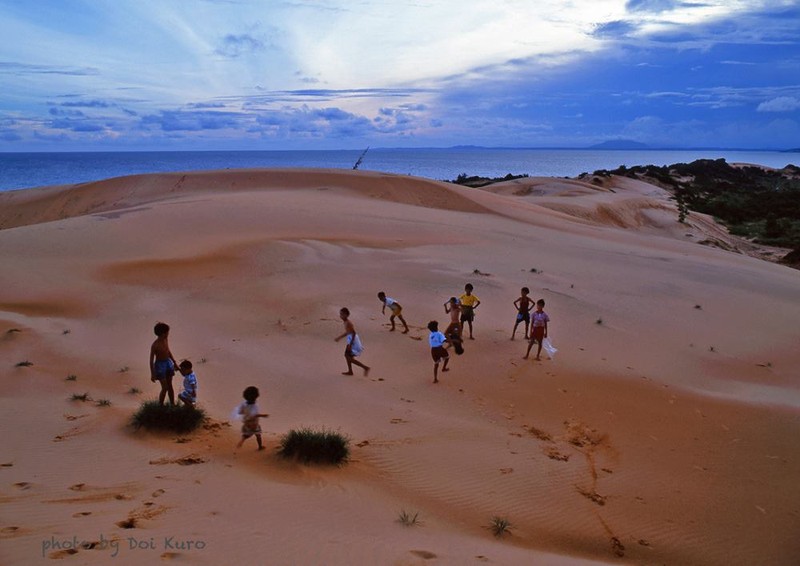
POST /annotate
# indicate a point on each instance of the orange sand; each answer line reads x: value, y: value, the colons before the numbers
x: 665, y: 431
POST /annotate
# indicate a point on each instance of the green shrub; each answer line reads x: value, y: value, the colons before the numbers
x: 315, y: 446
x: 173, y: 418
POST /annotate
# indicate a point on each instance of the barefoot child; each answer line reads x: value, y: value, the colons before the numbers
x: 469, y: 303
x: 250, y: 415
x: 189, y: 393
x: 453, y: 331
x: 354, y: 347
x: 396, y: 309
x: 162, y: 363
x: 438, y: 343
x: 523, y: 305
x: 539, y: 329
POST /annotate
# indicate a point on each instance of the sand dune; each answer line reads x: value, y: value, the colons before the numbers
x: 665, y: 431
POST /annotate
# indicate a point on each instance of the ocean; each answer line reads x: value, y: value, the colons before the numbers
x: 25, y: 170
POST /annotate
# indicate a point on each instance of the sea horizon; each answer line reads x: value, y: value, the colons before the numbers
x: 23, y: 170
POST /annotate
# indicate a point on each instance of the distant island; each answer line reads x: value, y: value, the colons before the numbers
x: 620, y: 144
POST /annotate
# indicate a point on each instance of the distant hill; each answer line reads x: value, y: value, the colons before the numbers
x: 620, y: 144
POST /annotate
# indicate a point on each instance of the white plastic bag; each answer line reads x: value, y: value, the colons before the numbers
x: 549, y: 348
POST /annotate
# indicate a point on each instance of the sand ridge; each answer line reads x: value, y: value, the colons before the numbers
x: 664, y: 431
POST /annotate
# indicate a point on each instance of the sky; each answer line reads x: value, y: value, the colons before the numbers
x: 123, y: 75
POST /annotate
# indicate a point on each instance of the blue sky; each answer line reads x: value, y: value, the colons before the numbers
x: 327, y: 74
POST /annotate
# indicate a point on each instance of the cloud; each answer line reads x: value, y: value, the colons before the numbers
x: 233, y: 46
x: 191, y: 121
x: 780, y: 104
x: 26, y: 69
x: 87, y: 104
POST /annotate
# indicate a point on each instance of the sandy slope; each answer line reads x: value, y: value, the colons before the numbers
x: 664, y: 432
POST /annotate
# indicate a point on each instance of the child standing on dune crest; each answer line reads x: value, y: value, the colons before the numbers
x: 248, y: 410
x: 162, y: 363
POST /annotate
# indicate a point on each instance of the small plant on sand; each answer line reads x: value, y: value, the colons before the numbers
x: 124, y: 369
x: 80, y: 397
x: 103, y: 403
x: 134, y: 390
x: 71, y: 377
x: 315, y: 446
x: 500, y: 526
x: 173, y: 418
x: 599, y: 321
x: 24, y: 364
x: 66, y: 331
x: 408, y: 519
x: 699, y: 307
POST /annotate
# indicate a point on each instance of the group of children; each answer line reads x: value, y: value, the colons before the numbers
x: 461, y: 311
x: 162, y: 369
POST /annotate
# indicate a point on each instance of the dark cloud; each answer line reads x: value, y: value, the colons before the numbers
x: 191, y: 121
x: 618, y: 28
x: 87, y: 104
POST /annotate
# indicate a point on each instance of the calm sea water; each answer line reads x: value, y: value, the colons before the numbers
x: 24, y: 170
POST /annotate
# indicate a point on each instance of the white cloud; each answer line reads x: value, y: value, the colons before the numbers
x: 780, y: 104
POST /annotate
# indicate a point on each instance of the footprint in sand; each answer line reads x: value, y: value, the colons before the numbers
x: 82, y: 514
x: 423, y: 554
x: 157, y: 492
x: 9, y: 530
x: 77, y: 487
x: 23, y: 485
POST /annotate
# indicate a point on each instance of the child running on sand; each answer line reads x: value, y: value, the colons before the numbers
x: 354, y: 347
x: 539, y: 329
x: 250, y: 415
x: 162, y: 363
x: 438, y: 343
x: 396, y: 309
x: 189, y: 393
x: 469, y: 303
x: 523, y: 305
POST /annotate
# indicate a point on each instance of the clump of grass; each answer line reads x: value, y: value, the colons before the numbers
x: 134, y: 390
x: 500, y: 526
x: 408, y: 519
x: 712, y: 349
x: 103, y: 403
x: 311, y: 446
x: 124, y: 369
x: 66, y: 331
x: 202, y: 361
x: 80, y: 397
x: 599, y: 321
x: 174, y: 418
x: 71, y: 377
x: 24, y: 364
x: 699, y: 307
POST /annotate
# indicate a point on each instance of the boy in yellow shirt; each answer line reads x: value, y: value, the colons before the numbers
x: 469, y: 303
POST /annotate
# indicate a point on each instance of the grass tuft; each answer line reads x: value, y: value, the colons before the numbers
x: 103, y: 403
x: 24, y: 364
x: 315, y: 446
x: 124, y: 369
x: 500, y: 526
x: 599, y: 321
x: 71, y: 377
x: 80, y: 397
x: 173, y: 418
x: 408, y: 519
x: 134, y: 390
